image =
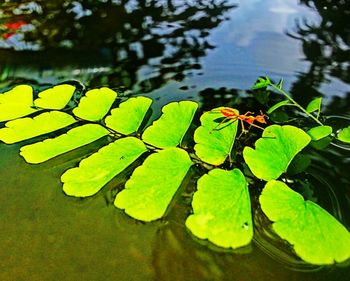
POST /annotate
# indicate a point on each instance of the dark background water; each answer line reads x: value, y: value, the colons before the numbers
x: 208, y: 51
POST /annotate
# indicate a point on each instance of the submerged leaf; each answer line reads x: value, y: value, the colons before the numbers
x: 344, y: 135
x: 151, y: 187
x: 99, y: 168
x: 319, y: 132
x: 314, y: 105
x: 127, y: 118
x: 221, y: 209
x: 17, y: 102
x: 56, y: 97
x: 171, y: 127
x: 26, y: 128
x: 95, y: 104
x: 317, y: 237
x: 275, y: 150
x: 214, y: 141
x: 42, y: 151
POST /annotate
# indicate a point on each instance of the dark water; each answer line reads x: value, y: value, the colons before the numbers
x: 207, y: 51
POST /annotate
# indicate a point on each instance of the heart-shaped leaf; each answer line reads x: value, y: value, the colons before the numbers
x: 95, y: 104
x: 42, y: 151
x: 317, y: 237
x: 151, y: 187
x: 171, y: 127
x: 26, y: 128
x: 275, y: 150
x: 221, y: 209
x: 16, y: 103
x: 56, y: 97
x: 127, y: 118
x: 214, y: 141
x: 99, y: 168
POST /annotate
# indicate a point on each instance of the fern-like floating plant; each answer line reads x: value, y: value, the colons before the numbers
x: 221, y: 205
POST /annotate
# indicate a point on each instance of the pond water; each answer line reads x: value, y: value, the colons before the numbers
x: 208, y: 51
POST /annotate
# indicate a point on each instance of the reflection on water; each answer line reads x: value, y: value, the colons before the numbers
x: 208, y: 50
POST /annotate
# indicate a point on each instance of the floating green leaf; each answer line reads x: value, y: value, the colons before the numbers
x: 74, y: 138
x: 152, y: 186
x: 17, y: 102
x: 314, y: 105
x: 221, y: 207
x: 171, y: 127
x: 128, y: 117
x: 344, y: 135
x: 99, y: 168
x: 95, y: 104
x: 317, y: 237
x: 319, y: 132
x: 275, y: 150
x: 26, y: 128
x: 278, y: 105
x: 214, y: 141
x: 56, y: 97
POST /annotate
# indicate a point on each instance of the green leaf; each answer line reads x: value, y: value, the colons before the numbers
x: 42, y: 151
x: 151, y: 187
x: 319, y: 132
x: 221, y: 209
x: 280, y: 84
x: 56, y: 97
x: 275, y: 150
x: 128, y: 117
x: 214, y: 142
x: 314, y: 105
x: 261, y: 83
x: 26, y: 128
x: 317, y: 237
x: 278, y: 105
x: 95, y: 104
x: 99, y: 168
x: 171, y: 127
x: 344, y: 135
x: 17, y: 102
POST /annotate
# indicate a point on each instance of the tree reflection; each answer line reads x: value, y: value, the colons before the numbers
x: 161, y: 39
x: 325, y: 45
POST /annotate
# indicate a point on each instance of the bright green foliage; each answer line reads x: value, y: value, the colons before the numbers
x: 214, y: 141
x: 314, y: 105
x: 95, y: 104
x: 127, y: 118
x: 99, y: 168
x: 317, y: 237
x: 221, y: 209
x: 151, y: 187
x: 42, y: 151
x: 275, y: 150
x: 26, y: 128
x: 262, y: 83
x: 319, y: 132
x: 16, y: 103
x: 344, y: 135
x: 278, y: 105
x: 56, y: 97
x: 171, y: 127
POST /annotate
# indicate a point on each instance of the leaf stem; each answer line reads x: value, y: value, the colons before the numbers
x: 295, y: 103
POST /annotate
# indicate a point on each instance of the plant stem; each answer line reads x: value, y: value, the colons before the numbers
x: 295, y: 103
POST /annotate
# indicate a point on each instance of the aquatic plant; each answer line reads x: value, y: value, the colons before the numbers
x: 221, y: 204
